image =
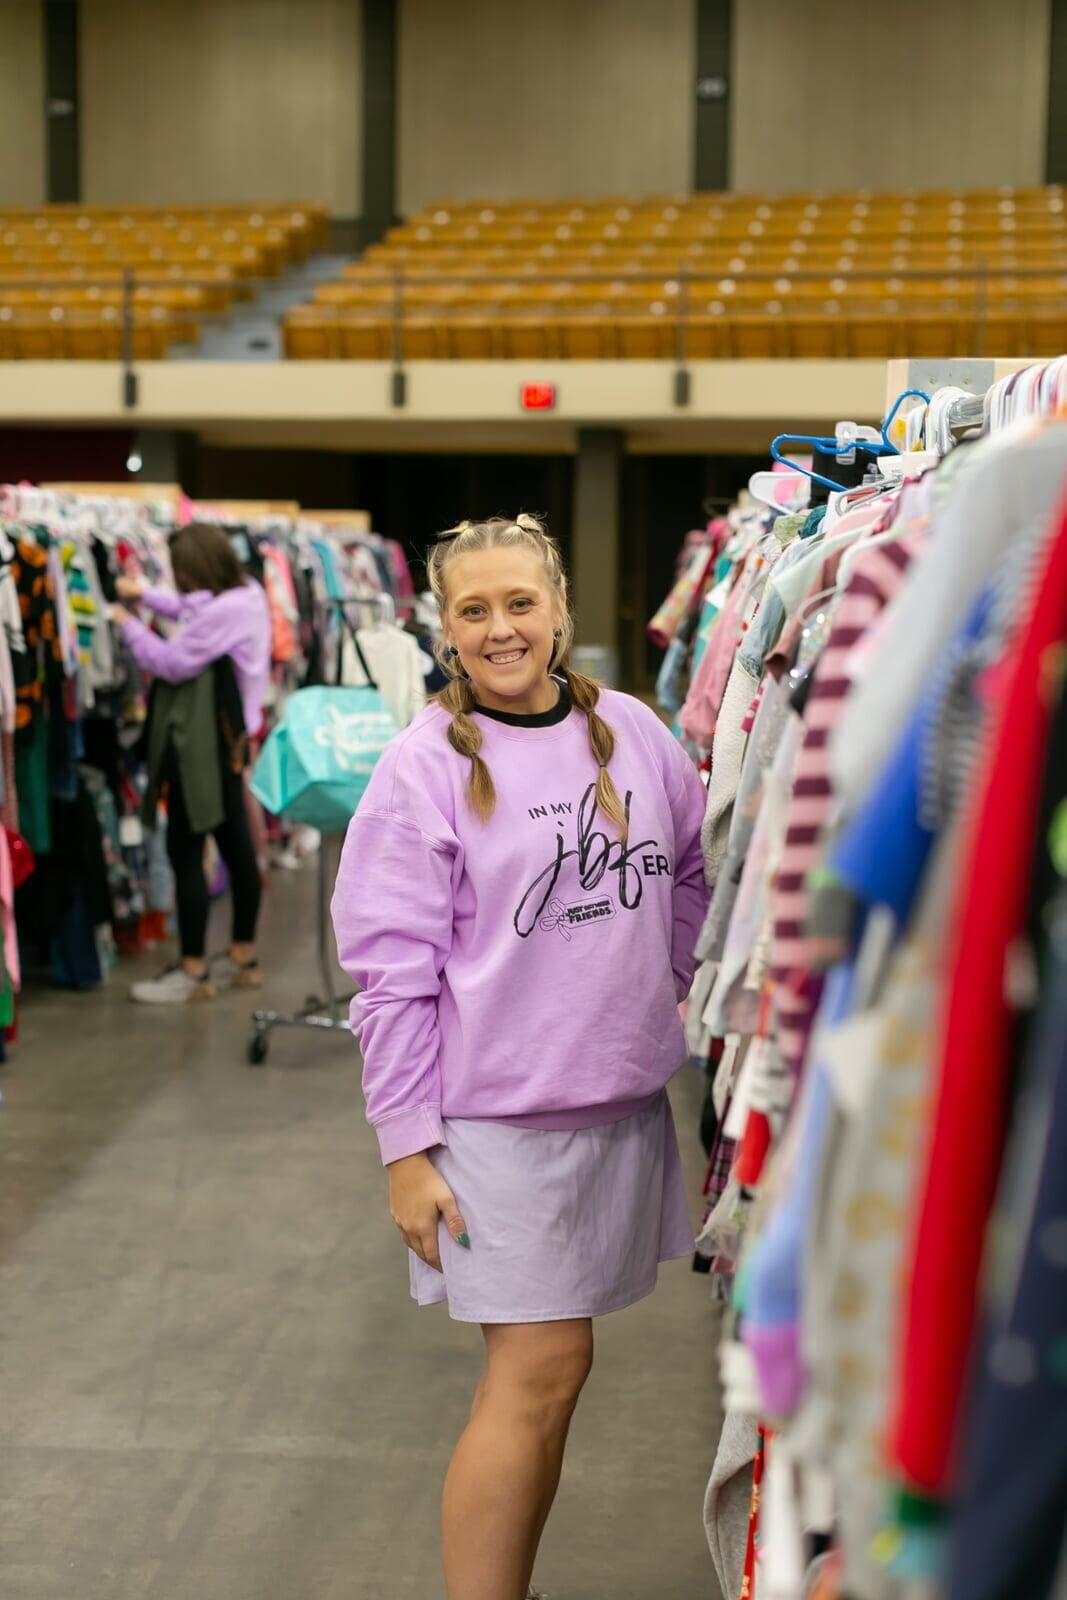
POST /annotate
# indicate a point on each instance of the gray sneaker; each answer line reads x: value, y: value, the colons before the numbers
x: 229, y: 974
x: 173, y: 987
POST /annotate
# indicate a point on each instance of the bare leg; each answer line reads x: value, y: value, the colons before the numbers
x: 506, y: 1468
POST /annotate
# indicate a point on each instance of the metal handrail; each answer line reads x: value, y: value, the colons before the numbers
x: 687, y: 270
x: 400, y: 281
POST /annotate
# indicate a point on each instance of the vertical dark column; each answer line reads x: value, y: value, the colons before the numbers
x: 166, y: 455
x: 62, y: 100
x: 1056, y: 137
x: 595, y: 542
x: 711, y: 145
x: 635, y: 605
x: 380, y: 60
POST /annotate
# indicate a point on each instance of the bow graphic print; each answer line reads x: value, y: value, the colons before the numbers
x: 557, y: 918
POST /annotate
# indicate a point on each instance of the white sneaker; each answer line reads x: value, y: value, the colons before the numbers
x: 173, y: 987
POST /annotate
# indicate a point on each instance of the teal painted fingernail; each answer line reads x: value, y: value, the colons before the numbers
x: 463, y: 1240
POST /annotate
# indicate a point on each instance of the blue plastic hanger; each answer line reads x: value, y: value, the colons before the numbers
x: 829, y: 445
x: 919, y: 394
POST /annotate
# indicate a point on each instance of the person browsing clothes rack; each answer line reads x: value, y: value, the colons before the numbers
x: 211, y: 677
x: 518, y: 899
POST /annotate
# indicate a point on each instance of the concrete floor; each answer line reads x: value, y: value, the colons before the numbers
x: 213, y: 1385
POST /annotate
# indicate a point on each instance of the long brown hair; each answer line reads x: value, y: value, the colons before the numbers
x: 202, y: 557
x: 464, y: 735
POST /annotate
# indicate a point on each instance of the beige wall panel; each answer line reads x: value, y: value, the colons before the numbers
x: 218, y: 101
x: 928, y: 96
x: 22, y: 139
x: 560, y: 97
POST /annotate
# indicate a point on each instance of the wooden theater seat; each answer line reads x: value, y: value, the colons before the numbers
x: 645, y: 336
x: 813, y: 335
x: 472, y: 337
x: 757, y: 335
x: 588, y: 338
x: 529, y: 336
x: 362, y: 337
x: 311, y: 333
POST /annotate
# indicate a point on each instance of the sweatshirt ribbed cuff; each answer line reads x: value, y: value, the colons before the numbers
x: 407, y: 1132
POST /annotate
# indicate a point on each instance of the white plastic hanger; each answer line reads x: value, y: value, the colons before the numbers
x: 779, y: 491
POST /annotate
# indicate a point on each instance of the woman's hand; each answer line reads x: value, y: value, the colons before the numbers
x: 129, y: 588
x: 119, y: 615
x: 418, y: 1195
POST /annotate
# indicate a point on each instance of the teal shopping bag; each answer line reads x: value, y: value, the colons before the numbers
x: 317, y: 762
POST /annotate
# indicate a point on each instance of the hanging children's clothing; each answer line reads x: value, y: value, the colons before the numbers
x: 874, y: 799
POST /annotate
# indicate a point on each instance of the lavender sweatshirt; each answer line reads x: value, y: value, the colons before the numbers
x: 235, y: 623
x: 530, y: 968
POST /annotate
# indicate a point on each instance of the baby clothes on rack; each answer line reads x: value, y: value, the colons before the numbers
x: 877, y: 745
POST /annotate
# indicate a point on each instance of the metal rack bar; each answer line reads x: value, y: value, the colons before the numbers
x: 329, y: 1015
x: 328, y: 1012
x: 967, y: 413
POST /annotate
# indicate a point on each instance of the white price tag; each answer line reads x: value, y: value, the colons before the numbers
x: 131, y: 832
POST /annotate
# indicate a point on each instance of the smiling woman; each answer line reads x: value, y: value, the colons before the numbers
x: 504, y: 622
x: 522, y: 562
x: 518, y: 903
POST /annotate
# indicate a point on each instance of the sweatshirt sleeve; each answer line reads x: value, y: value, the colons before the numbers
x: 164, y: 602
x: 195, y: 645
x: 392, y: 913
x: 688, y: 801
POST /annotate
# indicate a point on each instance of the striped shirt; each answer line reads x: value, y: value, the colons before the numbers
x: 875, y: 578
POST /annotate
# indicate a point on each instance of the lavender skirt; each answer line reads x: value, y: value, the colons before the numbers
x: 562, y: 1225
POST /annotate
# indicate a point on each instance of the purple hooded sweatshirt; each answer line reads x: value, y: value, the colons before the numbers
x: 235, y: 623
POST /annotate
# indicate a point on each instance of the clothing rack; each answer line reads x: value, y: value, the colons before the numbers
x: 850, y: 817
x: 328, y: 1012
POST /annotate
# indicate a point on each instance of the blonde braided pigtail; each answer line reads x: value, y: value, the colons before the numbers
x: 585, y: 693
x: 465, y: 737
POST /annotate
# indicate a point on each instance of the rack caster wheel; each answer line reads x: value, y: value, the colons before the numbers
x: 257, y: 1049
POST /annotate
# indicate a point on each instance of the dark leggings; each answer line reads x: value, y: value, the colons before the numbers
x: 186, y: 851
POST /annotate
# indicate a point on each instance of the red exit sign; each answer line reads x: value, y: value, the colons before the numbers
x: 537, y: 396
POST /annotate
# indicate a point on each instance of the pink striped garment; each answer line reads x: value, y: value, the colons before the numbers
x: 875, y: 578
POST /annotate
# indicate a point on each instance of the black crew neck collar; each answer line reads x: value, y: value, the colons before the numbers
x: 532, y: 719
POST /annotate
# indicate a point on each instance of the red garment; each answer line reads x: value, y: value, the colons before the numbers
x: 748, y: 1581
x: 970, y: 1109
x: 755, y: 1142
x: 22, y: 858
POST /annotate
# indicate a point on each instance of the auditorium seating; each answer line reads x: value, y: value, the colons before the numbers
x: 942, y: 273
x: 65, y: 272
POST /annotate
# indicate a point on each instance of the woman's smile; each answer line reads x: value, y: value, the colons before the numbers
x: 506, y: 658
